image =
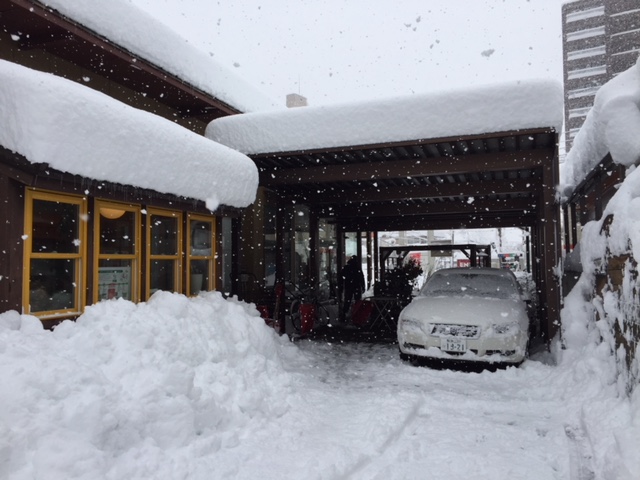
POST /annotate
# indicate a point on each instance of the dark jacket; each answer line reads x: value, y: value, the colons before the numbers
x: 351, y: 278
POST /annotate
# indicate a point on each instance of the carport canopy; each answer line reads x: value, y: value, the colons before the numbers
x: 475, y: 158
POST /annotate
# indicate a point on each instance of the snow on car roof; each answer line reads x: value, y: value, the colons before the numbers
x: 78, y: 130
x: 492, y: 108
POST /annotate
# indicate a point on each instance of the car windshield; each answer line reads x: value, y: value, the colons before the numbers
x: 469, y: 284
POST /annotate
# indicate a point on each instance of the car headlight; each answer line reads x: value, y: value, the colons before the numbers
x: 410, y: 322
x: 504, y: 328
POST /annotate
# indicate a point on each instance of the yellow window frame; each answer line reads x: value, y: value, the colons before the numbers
x: 211, y: 258
x: 177, y: 257
x: 110, y: 206
x: 79, y: 258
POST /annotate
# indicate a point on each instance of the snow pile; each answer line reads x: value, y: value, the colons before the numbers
x: 612, y: 126
x: 493, y: 108
x: 617, y: 234
x: 133, y: 29
x: 607, y: 413
x: 78, y: 130
x: 132, y: 390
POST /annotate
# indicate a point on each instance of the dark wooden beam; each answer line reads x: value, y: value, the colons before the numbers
x: 480, y: 206
x: 545, y: 136
x: 502, y: 161
x: 429, y: 222
x: 328, y: 196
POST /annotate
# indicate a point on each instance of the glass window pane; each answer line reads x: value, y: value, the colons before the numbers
x: 55, y: 227
x: 162, y: 275
x: 201, y: 235
x: 117, y: 231
x: 114, y: 279
x: 301, y: 239
x: 52, y: 285
x: 164, y: 235
x: 199, y: 280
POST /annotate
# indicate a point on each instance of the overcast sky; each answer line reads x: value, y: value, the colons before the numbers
x: 332, y: 51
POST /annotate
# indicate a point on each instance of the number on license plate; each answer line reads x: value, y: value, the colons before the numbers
x: 458, y: 345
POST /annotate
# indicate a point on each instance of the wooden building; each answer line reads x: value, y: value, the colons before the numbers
x: 108, y: 189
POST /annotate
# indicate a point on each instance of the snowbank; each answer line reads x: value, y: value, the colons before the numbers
x: 78, y: 130
x: 611, y: 126
x: 133, y: 29
x: 131, y: 390
x: 493, y: 108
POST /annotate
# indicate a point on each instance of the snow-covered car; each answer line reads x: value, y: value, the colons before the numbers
x: 471, y: 314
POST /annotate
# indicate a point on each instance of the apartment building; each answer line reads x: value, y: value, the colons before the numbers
x: 601, y: 38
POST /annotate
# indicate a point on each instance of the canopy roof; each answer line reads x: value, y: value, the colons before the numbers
x: 457, y: 159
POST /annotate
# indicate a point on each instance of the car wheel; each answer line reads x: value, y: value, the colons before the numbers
x: 405, y: 357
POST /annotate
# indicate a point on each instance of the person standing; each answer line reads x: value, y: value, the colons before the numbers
x: 351, y: 281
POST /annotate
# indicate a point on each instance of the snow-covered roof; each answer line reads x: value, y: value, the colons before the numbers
x: 126, y: 25
x: 493, y: 108
x: 612, y: 126
x: 75, y: 129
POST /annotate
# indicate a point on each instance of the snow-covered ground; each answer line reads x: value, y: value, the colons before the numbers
x: 201, y: 388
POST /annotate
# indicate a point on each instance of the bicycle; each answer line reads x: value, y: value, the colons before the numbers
x: 308, y: 311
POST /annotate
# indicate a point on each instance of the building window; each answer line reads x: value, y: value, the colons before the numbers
x: 573, y: 132
x: 587, y: 52
x: 117, y: 251
x: 164, y: 251
x: 585, y: 14
x: 582, y: 34
x: 587, y: 72
x: 55, y: 253
x: 201, y: 253
x: 583, y: 92
x: 579, y: 112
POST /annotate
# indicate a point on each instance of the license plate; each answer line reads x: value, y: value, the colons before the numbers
x: 457, y: 345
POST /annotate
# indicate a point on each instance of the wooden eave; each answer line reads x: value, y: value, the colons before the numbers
x: 476, y: 181
x: 38, y: 27
x: 42, y: 176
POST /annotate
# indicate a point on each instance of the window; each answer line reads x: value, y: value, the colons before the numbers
x: 201, y: 253
x: 579, y: 112
x: 583, y: 92
x: 164, y: 251
x: 117, y: 251
x: 582, y: 34
x: 587, y: 72
x: 587, y: 52
x: 54, y: 253
x: 585, y: 14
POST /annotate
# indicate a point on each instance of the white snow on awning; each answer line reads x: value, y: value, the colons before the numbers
x: 75, y: 129
x: 129, y: 27
x: 612, y: 126
x: 493, y: 108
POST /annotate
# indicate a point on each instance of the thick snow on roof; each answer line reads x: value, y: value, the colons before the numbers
x: 492, y: 108
x: 612, y: 126
x: 133, y: 29
x: 78, y: 130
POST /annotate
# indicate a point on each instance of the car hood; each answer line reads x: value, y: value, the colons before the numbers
x: 465, y: 310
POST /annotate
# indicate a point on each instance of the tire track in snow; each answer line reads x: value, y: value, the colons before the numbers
x: 579, y: 458
x: 390, y: 437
